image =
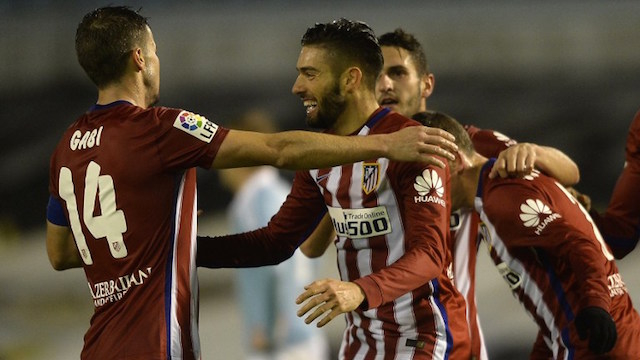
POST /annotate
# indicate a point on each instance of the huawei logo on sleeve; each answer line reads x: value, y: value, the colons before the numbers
x: 429, y: 183
x: 536, y: 214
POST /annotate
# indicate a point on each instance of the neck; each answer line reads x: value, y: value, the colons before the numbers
x: 469, y: 179
x: 128, y: 90
x: 359, y: 109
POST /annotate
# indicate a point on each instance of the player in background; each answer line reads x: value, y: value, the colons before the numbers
x: 392, y: 218
x: 404, y: 86
x: 620, y: 222
x: 267, y: 295
x: 123, y: 189
x: 552, y: 256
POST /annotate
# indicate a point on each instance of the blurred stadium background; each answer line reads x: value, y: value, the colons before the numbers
x: 559, y: 73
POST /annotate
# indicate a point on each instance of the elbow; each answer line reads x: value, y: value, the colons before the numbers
x: 574, y: 176
x: 58, y: 264
x: 61, y: 262
x: 310, y: 253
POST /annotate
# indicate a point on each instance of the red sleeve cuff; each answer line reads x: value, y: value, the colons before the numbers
x: 372, y: 293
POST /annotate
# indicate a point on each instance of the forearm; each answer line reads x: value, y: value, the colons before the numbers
x: 250, y: 249
x: 591, y: 275
x: 557, y: 164
x: 302, y: 149
x: 413, y: 270
x: 620, y: 224
x: 61, y: 248
x: 318, y: 242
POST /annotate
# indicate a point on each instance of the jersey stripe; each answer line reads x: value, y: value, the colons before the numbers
x: 530, y: 289
x: 183, y: 319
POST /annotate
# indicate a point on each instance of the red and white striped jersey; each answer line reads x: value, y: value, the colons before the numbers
x: 464, y: 231
x: 552, y: 256
x: 620, y: 224
x: 392, y: 223
x: 125, y: 178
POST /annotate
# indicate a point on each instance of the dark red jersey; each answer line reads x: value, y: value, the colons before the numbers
x: 620, y: 224
x: 551, y: 254
x: 126, y: 180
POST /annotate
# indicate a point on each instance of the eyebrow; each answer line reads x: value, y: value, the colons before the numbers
x: 397, y: 67
x: 307, y: 68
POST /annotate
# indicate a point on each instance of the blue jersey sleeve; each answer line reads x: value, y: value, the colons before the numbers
x: 55, y: 213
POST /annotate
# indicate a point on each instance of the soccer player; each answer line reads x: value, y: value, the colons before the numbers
x: 620, y: 223
x: 552, y: 256
x: 391, y: 218
x: 123, y: 190
x: 404, y: 86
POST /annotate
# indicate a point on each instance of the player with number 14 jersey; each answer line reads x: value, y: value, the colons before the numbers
x: 97, y: 173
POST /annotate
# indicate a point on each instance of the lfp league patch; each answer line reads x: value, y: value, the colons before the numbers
x: 195, y: 125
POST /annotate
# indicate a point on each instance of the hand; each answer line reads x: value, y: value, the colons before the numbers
x: 597, y: 324
x: 583, y: 199
x: 330, y: 296
x: 516, y: 160
x: 420, y: 143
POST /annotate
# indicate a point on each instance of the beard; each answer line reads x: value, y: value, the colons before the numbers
x: 330, y: 106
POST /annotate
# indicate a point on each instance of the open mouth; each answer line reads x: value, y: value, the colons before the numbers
x: 388, y: 101
x: 310, y: 105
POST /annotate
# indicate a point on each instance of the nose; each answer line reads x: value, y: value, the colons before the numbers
x: 384, y: 83
x: 297, y: 87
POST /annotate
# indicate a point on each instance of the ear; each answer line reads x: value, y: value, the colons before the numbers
x: 459, y: 164
x: 351, y: 78
x: 137, y: 56
x: 427, y: 84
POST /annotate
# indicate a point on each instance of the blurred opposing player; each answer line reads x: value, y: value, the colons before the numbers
x: 620, y: 223
x: 123, y: 190
x: 552, y: 256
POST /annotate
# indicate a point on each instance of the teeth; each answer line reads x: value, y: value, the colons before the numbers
x: 310, y: 105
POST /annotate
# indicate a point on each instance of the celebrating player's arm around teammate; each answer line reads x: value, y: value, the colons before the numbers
x: 404, y: 85
x: 391, y: 218
x: 123, y: 189
x: 552, y: 256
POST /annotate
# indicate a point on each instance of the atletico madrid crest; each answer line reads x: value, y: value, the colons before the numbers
x: 370, y: 177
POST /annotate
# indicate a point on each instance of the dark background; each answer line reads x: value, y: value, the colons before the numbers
x: 558, y: 73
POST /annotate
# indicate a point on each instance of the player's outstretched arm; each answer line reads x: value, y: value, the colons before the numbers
x: 298, y: 150
x: 61, y: 248
x: 522, y: 158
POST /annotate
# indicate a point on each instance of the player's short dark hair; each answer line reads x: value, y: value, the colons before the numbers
x: 401, y: 39
x: 443, y: 121
x: 350, y: 42
x: 105, y: 38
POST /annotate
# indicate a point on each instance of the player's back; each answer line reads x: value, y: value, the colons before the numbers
x: 130, y: 204
x: 551, y: 255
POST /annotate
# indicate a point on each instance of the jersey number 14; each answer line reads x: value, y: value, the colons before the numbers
x: 110, y: 224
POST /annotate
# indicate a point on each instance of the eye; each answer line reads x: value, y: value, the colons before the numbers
x: 397, y: 73
x: 310, y: 74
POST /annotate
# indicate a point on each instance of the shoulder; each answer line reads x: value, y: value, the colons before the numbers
x: 392, y: 122
x: 501, y: 194
x: 488, y: 142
